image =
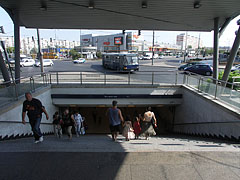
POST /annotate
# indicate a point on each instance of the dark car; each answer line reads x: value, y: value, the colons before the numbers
x: 182, y: 67
x: 202, y: 69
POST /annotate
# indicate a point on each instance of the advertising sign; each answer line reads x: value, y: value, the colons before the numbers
x: 118, y: 40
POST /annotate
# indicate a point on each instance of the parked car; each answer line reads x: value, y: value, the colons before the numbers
x: 202, y: 69
x: 46, y: 62
x: 182, y: 67
x: 161, y: 57
x: 235, y: 68
x: 79, y: 61
x: 27, y: 62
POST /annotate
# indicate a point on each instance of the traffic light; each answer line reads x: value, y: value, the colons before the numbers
x: 123, y: 31
x: 139, y: 32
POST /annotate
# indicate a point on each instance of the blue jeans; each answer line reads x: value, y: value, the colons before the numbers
x: 78, y: 128
x: 35, y: 124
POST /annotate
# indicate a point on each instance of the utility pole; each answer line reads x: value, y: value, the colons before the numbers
x: 39, y: 52
x: 198, y: 45
x: 80, y: 41
x: 185, y: 51
x: 153, y: 46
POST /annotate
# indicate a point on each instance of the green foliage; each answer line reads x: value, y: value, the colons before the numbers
x: 10, y: 49
x: 99, y: 54
x: 75, y: 54
x: 230, y: 77
x: 33, y: 51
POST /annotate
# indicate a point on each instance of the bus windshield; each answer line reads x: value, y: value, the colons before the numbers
x: 132, y: 60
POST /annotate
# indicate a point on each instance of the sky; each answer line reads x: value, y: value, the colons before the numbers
x: 226, y: 39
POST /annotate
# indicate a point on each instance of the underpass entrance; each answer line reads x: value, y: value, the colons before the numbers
x: 98, y: 123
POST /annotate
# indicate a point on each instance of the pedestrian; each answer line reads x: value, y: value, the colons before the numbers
x: 137, y: 127
x: 115, y: 118
x: 34, y: 109
x: 78, y: 122
x: 57, y: 122
x: 147, y: 127
x: 68, y: 123
x: 128, y: 129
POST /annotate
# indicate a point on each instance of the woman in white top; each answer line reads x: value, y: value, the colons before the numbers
x: 147, y: 127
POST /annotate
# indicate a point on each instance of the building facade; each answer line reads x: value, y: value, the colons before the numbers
x: 186, y: 41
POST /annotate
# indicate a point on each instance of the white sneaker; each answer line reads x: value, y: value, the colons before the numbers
x: 37, y: 142
x: 41, y: 139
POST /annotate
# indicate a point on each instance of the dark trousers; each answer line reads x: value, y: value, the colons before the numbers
x: 35, y: 124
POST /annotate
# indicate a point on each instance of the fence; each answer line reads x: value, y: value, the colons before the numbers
x: 11, y: 91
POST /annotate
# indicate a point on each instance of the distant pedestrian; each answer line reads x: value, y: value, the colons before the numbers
x: 78, y: 122
x: 137, y: 127
x: 128, y: 129
x: 115, y: 118
x: 68, y: 123
x: 147, y: 127
x: 57, y: 122
x: 34, y: 109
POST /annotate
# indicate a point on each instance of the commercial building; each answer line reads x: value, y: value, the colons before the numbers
x: 186, y: 41
x: 114, y: 43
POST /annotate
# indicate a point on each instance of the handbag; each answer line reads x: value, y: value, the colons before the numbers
x: 82, y: 129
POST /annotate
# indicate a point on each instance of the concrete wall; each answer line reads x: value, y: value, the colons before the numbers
x: 204, y: 116
x: 11, y: 116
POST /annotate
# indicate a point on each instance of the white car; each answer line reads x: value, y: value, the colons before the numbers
x: 27, y: 62
x: 46, y: 62
x: 236, y: 67
x: 79, y: 61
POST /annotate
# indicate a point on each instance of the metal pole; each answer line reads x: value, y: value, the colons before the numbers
x: 216, y: 82
x: 198, y: 45
x: 176, y: 78
x: 232, y: 55
x: 17, y: 46
x: 216, y: 48
x: 152, y: 78
x: 57, y: 78
x: 129, y: 78
x: 81, y: 78
x: 4, y: 69
x: 185, y: 50
x: 6, y: 56
x: 105, y: 78
x: 152, y: 47
x: 39, y: 52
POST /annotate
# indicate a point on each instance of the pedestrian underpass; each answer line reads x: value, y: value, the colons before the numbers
x: 178, y: 108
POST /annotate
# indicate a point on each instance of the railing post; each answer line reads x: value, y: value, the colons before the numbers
x: 50, y: 78
x: 216, y: 82
x: 176, y: 78
x: 105, y: 78
x: 199, y: 83
x: 57, y: 77
x: 129, y: 78
x: 184, y: 78
x: 152, y: 78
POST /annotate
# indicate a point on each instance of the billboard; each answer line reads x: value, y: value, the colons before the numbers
x: 118, y: 40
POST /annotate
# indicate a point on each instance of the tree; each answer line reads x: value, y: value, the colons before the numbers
x: 99, y: 54
x: 189, y: 47
x: 74, y: 54
x: 10, y: 50
x: 33, y: 51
